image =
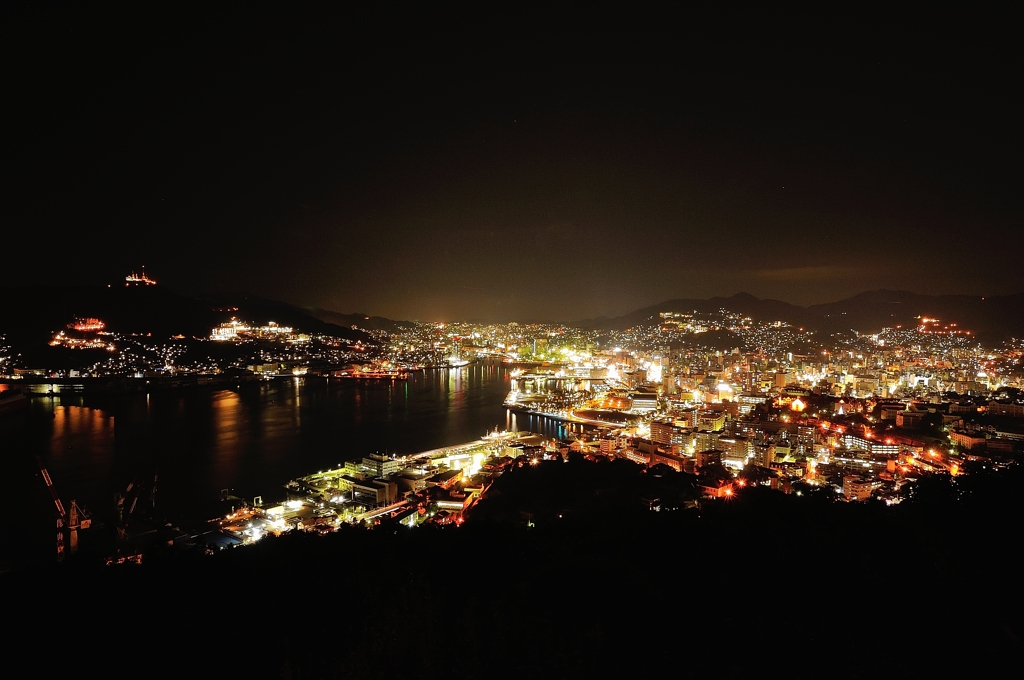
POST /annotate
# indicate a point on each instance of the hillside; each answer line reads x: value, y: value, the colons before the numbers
x: 373, y: 323
x: 260, y: 310
x: 32, y: 313
x: 990, y: 317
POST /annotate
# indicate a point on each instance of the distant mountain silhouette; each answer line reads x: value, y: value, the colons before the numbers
x: 741, y: 302
x: 358, y: 319
x: 258, y: 310
x: 32, y: 313
x: 990, y: 317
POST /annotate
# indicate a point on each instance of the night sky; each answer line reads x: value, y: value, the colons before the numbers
x: 434, y: 168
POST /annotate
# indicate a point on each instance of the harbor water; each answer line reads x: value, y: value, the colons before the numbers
x: 250, y: 440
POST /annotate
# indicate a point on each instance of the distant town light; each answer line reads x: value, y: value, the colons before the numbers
x: 134, y: 279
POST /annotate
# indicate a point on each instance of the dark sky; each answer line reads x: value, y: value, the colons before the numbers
x: 433, y: 167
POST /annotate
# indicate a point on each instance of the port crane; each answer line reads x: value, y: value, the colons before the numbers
x: 68, y: 523
x: 133, y: 493
x: 122, y: 521
x: 123, y: 517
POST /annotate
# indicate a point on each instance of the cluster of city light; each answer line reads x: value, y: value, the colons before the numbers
x: 134, y: 279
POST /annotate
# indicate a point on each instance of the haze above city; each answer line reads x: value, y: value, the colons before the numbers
x: 431, y: 176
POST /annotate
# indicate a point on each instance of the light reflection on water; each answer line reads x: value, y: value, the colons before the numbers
x: 251, y: 440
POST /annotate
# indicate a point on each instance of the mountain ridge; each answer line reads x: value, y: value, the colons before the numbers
x: 986, y: 316
x: 37, y: 310
x: 32, y: 313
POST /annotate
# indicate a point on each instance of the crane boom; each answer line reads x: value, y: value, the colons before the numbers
x: 61, y: 515
x: 66, y: 523
x: 53, y: 491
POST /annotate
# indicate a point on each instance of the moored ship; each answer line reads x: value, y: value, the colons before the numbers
x: 372, y: 374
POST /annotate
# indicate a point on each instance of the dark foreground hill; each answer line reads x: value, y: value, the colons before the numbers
x: 767, y: 581
x: 993, y: 317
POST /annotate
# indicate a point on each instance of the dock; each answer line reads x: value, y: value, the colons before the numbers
x: 378, y: 489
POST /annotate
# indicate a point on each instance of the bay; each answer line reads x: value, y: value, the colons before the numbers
x: 251, y: 440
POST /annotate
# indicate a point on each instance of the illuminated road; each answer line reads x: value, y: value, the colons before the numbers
x: 374, y: 514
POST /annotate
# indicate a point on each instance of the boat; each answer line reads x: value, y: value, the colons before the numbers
x: 372, y: 374
x: 456, y: 360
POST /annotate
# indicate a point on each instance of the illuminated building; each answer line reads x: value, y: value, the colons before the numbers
x: 857, y: 443
x: 856, y: 488
x: 736, y: 451
x: 866, y: 384
x: 1007, y: 434
x: 688, y: 418
x: 644, y: 401
x: 748, y: 402
x: 376, y: 492
x: 705, y: 458
x: 967, y: 440
x: 711, y: 421
x: 229, y: 330
x: 715, y: 488
x: 764, y: 455
x: 224, y: 332
x: 805, y: 435
x: 998, y: 408
x: 62, y: 338
x: 445, y: 480
x: 783, y: 451
x: 677, y: 463
x: 704, y: 441
x: 889, y: 411
x: 89, y: 325
x: 382, y: 466
x: 273, y: 329
x: 654, y: 372
x: 666, y: 433
x: 134, y: 279
x: 725, y: 391
x: 636, y: 456
x: 909, y: 418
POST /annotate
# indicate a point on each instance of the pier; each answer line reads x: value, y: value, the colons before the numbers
x: 380, y: 488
